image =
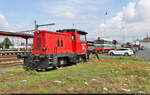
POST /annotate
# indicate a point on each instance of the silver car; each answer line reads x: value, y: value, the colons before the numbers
x: 122, y: 51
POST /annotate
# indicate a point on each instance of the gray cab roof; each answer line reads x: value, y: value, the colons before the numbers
x: 79, y: 31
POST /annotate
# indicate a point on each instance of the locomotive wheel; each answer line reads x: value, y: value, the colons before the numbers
x: 80, y: 59
x: 61, y: 62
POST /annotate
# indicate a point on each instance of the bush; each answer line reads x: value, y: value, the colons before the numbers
x: 30, y: 71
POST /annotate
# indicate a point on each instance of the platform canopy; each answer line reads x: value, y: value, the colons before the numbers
x: 16, y: 34
x: 25, y: 36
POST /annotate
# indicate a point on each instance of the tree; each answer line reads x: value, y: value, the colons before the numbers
x: 6, y: 43
x: 128, y: 43
x: 1, y: 45
x: 115, y: 42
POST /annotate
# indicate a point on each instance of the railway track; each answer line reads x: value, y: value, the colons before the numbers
x: 2, y: 53
x: 9, y: 60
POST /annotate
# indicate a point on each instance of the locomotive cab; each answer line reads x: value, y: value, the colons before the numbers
x: 79, y: 41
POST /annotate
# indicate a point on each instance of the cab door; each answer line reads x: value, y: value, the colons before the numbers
x: 38, y: 42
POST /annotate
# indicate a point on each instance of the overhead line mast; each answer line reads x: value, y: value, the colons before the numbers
x: 105, y: 14
x: 37, y: 26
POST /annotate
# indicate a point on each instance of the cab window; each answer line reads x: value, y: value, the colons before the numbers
x: 61, y: 43
x: 73, y: 37
x: 58, y: 43
x: 82, y: 37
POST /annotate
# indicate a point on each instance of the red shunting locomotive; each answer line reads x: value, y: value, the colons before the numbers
x: 56, y: 48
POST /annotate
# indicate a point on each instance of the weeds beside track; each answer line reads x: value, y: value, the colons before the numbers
x: 110, y: 75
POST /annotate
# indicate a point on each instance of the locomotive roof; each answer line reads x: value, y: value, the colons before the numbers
x: 79, y: 31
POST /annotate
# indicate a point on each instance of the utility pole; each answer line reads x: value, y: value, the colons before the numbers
x: 105, y: 14
x: 123, y: 32
x: 36, y: 26
x: 73, y: 25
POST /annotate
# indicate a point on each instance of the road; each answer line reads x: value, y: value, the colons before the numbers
x: 144, y: 53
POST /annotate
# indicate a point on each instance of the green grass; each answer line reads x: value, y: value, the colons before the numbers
x: 15, y: 69
x: 115, y: 74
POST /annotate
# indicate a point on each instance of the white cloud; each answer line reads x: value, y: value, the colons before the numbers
x: 3, y: 23
x: 64, y: 12
x: 77, y: 1
x: 23, y: 27
x: 4, y: 26
x: 132, y: 22
x: 70, y: 9
x: 129, y: 11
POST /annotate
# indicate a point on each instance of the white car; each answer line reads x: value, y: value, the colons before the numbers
x: 122, y: 51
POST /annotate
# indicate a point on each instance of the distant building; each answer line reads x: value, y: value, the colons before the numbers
x: 147, y: 39
x: 22, y: 44
x: 146, y: 42
x: 137, y: 42
x: 20, y: 47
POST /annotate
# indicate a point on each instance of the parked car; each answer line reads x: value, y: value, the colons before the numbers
x: 122, y: 51
x: 141, y: 47
x: 135, y: 49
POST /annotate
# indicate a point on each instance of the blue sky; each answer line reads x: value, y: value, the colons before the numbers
x: 25, y: 11
x: 87, y: 15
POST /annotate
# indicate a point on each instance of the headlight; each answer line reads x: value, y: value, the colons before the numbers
x: 44, y: 48
x: 38, y: 32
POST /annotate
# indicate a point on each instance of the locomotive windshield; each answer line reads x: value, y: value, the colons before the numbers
x: 82, y: 37
x: 73, y: 37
